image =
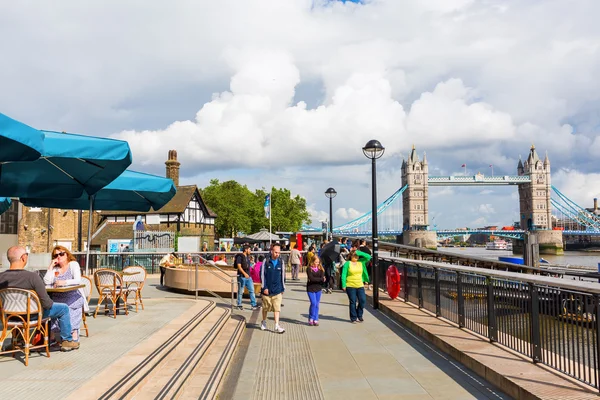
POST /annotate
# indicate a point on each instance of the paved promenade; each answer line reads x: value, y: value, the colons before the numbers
x: 56, y: 377
x: 377, y: 359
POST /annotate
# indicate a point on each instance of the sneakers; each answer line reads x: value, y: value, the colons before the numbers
x: 316, y: 323
x: 279, y: 329
x: 68, y: 345
x: 361, y: 320
x: 254, y: 308
x: 355, y: 322
x: 263, y: 326
x: 329, y: 291
x: 241, y: 308
x: 311, y: 322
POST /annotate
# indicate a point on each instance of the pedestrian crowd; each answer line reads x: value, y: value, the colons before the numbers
x: 343, y: 265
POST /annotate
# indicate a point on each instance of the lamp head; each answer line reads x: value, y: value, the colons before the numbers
x: 330, y: 193
x: 373, y: 149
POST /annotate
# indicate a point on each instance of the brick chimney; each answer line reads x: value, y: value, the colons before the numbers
x: 173, y: 167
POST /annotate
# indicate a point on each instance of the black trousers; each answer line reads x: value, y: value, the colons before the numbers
x: 162, y: 275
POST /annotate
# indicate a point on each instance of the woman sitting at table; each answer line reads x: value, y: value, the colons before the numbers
x: 64, y: 270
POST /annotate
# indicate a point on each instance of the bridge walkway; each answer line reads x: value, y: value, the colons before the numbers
x: 377, y: 359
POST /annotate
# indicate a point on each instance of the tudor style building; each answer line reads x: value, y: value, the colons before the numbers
x: 186, y: 214
x: 40, y: 229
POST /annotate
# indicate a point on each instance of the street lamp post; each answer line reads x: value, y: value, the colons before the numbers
x: 330, y: 193
x: 374, y: 150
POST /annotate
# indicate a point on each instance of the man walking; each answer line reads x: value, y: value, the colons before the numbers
x: 242, y: 263
x: 17, y: 277
x: 295, y: 260
x: 272, y: 287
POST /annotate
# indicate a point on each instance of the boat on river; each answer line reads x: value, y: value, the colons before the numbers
x: 498, y: 244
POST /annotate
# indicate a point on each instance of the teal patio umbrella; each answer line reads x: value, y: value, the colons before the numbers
x: 131, y: 191
x: 70, y: 166
x: 19, y: 142
x: 4, y: 204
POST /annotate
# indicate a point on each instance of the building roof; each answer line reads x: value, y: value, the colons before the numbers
x: 112, y: 230
x: 177, y: 204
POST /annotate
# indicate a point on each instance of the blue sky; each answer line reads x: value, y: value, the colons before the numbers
x: 285, y: 94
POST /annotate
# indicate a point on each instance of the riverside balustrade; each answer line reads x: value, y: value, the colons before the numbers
x: 549, y: 320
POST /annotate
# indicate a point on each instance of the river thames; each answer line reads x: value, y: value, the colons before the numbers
x: 588, y: 259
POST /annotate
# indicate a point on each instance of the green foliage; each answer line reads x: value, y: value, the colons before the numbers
x: 240, y: 210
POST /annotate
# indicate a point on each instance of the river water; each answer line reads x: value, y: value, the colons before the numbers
x: 588, y: 259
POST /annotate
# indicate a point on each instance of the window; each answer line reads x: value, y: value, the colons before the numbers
x: 9, y: 220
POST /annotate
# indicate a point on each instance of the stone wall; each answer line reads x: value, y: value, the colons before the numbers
x: 42, y: 230
x: 428, y: 238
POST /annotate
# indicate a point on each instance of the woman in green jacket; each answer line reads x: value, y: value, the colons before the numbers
x: 354, y: 275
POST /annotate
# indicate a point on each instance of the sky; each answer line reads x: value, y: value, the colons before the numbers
x: 286, y: 93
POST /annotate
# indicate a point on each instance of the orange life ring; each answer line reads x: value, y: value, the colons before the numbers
x: 393, y: 281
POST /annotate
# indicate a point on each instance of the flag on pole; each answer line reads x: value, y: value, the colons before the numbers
x: 268, y: 206
x: 491, y: 165
x: 463, y: 166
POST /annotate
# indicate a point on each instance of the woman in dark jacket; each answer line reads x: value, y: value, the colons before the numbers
x: 315, y: 278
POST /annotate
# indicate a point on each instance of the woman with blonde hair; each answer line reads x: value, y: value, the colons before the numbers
x: 354, y: 275
x: 64, y: 270
x: 315, y: 278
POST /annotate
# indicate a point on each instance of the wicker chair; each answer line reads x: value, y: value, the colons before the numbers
x: 87, y: 291
x: 110, y: 287
x: 21, y: 316
x: 134, y: 279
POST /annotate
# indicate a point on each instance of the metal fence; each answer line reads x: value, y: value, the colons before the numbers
x: 150, y: 260
x: 550, y: 320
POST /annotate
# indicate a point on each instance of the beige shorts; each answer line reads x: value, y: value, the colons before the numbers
x: 272, y: 303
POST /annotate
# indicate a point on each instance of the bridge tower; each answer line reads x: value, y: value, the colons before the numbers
x: 415, y: 202
x: 534, y: 203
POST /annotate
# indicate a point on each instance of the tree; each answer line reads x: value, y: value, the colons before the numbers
x: 287, y: 212
x: 233, y: 204
x: 240, y: 210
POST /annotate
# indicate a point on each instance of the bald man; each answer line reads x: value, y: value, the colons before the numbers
x: 17, y: 277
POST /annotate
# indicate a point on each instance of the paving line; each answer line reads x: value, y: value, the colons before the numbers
x: 286, y: 368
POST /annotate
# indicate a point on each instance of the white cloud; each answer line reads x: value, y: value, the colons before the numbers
x: 348, y: 214
x: 228, y: 85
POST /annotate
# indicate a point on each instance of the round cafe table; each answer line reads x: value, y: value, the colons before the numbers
x: 63, y: 289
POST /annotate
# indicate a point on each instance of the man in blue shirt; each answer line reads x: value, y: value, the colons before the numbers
x: 272, y: 278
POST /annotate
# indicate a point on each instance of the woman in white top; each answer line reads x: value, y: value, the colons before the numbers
x: 63, y: 271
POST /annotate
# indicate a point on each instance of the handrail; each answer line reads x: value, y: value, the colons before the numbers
x: 590, y: 287
x: 196, y: 288
x: 552, y: 321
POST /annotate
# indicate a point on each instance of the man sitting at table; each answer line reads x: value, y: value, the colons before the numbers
x: 17, y: 277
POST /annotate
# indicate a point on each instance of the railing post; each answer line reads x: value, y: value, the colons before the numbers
x: 536, y: 341
x: 491, y: 311
x: 438, y: 297
x: 597, y: 315
x: 405, y: 282
x: 419, y: 287
x: 461, y: 301
x: 196, y: 281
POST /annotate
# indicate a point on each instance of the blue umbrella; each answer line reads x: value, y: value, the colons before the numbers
x: 70, y: 166
x: 4, y: 204
x: 19, y: 142
x: 131, y: 191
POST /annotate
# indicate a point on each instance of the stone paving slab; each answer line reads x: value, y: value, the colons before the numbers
x: 517, y: 376
x: 56, y: 377
x: 339, y: 360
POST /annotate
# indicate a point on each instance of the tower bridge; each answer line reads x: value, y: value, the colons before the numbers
x: 537, y: 197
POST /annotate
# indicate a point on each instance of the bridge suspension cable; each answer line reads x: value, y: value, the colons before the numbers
x: 575, y: 212
x: 364, y: 219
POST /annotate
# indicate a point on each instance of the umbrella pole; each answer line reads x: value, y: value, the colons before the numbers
x: 89, y: 236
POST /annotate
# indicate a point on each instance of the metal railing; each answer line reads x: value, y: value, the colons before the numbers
x: 550, y: 320
x: 150, y: 260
